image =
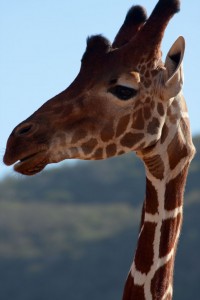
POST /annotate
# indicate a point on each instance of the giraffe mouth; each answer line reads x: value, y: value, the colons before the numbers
x: 32, y: 164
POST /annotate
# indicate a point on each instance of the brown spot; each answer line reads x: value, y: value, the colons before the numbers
x: 160, y: 109
x: 147, y: 83
x: 169, y: 231
x: 174, y: 190
x: 89, y: 146
x: 153, y: 126
x: 147, y: 74
x: 107, y: 133
x: 130, y: 139
x: 161, y: 280
x: 147, y: 112
x: 144, y: 253
x: 154, y: 73
x: 111, y: 150
x: 164, y: 134
x: 78, y: 135
x: 155, y: 166
x: 132, y: 291
x: 98, y: 153
x: 122, y: 125
x: 138, y: 120
x: 176, y: 151
x: 151, y: 203
x: 148, y: 99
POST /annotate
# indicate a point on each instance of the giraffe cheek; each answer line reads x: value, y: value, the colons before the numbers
x: 153, y: 126
x: 130, y: 140
x: 147, y: 112
x: 107, y: 132
x: 98, y: 154
x: 138, y: 120
x: 122, y: 125
x: 89, y: 146
x: 111, y: 150
x: 78, y: 135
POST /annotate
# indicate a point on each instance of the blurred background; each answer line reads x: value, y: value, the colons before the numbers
x: 62, y: 234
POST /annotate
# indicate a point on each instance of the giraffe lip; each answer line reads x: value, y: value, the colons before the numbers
x: 31, y: 164
x: 27, y: 157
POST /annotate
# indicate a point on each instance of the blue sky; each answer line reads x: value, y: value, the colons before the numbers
x: 42, y: 43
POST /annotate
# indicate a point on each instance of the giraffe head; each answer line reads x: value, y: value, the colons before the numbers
x: 117, y: 103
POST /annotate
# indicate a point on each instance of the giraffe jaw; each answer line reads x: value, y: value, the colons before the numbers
x: 32, y: 164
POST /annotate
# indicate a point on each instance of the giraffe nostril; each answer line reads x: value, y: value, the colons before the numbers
x: 24, y: 129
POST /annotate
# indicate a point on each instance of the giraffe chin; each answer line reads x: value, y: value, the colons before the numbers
x: 32, y: 165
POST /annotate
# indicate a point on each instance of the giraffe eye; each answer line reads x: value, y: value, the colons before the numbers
x: 122, y: 92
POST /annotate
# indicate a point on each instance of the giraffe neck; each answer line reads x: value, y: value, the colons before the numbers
x: 151, y: 274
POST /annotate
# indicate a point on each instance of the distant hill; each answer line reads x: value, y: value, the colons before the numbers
x: 69, y: 233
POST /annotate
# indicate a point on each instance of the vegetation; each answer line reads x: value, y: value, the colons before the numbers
x: 70, y: 232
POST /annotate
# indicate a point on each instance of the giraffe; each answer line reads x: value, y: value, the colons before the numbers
x: 124, y: 99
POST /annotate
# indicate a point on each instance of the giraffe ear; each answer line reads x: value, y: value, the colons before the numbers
x: 174, y: 68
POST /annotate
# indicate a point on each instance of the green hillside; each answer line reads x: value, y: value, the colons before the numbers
x: 69, y: 233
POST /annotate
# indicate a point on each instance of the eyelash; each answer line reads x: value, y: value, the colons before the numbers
x: 122, y: 92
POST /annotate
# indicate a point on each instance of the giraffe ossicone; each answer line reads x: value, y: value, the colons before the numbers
x: 124, y: 99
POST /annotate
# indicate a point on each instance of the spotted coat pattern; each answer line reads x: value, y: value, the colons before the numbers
x: 89, y: 121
